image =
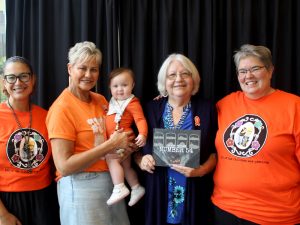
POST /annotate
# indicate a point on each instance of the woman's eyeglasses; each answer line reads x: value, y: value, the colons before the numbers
x: 12, y: 78
x: 183, y: 75
x: 253, y: 70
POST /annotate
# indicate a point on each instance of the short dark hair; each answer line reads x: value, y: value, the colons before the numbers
x: 19, y: 59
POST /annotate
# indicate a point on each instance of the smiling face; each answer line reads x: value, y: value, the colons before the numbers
x: 257, y: 83
x: 83, y: 76
x: 179, y: 82
x: 19, y: 90
x: 121, y: 86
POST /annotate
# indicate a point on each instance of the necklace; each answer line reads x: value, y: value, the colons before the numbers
x: 26, y: 146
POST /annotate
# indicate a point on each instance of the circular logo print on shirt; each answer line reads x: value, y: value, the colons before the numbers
x: 246, y: 136
x: 26, y: 149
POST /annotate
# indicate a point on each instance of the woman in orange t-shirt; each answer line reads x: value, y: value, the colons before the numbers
x: 257, y: 178
x: 76, y: 128
x: 27, y: 195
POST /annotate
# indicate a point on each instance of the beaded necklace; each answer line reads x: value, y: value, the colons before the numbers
x: 26, y: 147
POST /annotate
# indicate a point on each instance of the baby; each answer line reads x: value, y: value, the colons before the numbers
x: 124, y: 109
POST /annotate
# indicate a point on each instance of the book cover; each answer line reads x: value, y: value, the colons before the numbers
x: 172, y: 146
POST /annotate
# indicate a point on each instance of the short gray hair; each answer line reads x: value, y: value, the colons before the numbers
x: 187, y: 63
x: 84, y: 51
x: 260, y: 52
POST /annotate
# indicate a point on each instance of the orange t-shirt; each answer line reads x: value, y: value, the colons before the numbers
x: 83, y: 123
x: 18, y: 172
x: 133, y: 112
x: 257, y: 177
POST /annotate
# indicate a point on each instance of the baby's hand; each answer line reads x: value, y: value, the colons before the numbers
x: 140, y: 140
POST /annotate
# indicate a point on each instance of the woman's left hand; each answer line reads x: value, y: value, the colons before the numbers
x: 200, y: 171
x: 186, y: 171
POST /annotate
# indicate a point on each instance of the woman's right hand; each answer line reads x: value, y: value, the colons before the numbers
x: 147, y: 163
x: 9, y: 219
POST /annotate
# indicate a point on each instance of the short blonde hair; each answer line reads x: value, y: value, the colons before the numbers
x: 84, y: 51
x: 187, y: 63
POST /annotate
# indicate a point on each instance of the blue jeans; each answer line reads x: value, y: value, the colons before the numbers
x: 82, y: 199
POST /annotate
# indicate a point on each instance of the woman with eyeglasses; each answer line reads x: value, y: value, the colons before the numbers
x: 257, y: 178
x: 178, y: 193
x: 27, y: 195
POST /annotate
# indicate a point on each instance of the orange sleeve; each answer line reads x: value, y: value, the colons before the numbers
x: 297, y: 131
x: 135, y: 108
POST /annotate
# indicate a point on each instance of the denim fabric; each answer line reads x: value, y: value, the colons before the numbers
x: 82, y: 199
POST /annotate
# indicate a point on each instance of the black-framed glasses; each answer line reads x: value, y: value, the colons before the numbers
x: 12, y: 78
x: 252, y: 70
x: 183, y: 75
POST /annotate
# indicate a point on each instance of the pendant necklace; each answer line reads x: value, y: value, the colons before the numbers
x: 26, y: 146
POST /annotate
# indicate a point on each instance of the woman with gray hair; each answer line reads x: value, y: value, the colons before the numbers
x: 257, y: 178
x: 77, y: 132
x: 179, y: 194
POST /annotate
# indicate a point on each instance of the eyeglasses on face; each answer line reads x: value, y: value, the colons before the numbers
x: 12, y: 78
x: 253, y: 70
x: 183, y: 75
